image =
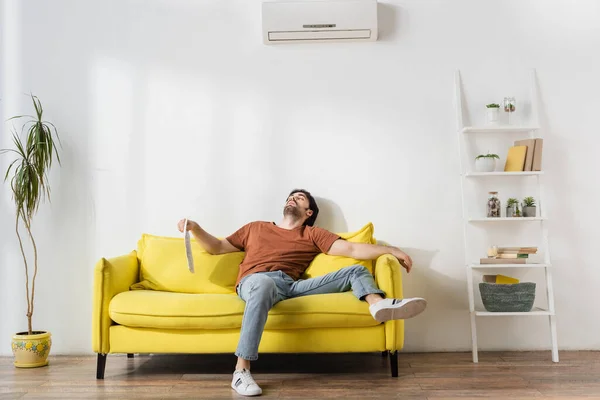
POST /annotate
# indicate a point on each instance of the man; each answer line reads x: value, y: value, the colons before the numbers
x: 277, y: 255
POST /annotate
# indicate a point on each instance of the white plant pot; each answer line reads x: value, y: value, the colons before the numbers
x: 492, y: 116
x: 485, y: 164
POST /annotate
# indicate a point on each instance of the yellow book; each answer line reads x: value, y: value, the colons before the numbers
x: 500, y: 279
x: 506, y: 280
x: 515, y: 160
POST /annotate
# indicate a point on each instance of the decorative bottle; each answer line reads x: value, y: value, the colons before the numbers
x: 493, y: 205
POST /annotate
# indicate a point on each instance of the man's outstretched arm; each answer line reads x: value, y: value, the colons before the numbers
x: 208, y: 242
x: 366, y: 251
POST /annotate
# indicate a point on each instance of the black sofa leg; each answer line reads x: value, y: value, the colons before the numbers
x: 100, y: 366
x: 394, y: 363
x: 129, y: 355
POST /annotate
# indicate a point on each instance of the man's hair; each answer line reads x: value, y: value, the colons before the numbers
x: 312, y: 205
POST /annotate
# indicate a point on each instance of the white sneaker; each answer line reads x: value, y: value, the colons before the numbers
x: 244, y: 384
x: 388, y: 309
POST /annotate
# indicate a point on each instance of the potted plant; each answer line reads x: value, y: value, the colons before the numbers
x: 29, y: 184
x: 492, y: 113
x: 486, y: 162
x: 512, y: 206
x: 529, y: 209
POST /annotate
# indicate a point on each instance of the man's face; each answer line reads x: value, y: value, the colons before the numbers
x: 297, y: 205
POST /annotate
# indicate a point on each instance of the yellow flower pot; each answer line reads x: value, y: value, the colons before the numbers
x: 31, y: 350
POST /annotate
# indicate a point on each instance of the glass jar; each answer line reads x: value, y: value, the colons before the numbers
x: 492, y: 252
x: 510, y: 104
x: 493, y: 205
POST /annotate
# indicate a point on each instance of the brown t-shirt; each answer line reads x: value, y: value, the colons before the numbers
x: 271, y: 248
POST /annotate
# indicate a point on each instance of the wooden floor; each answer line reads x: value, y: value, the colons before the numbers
x: 504, y: 375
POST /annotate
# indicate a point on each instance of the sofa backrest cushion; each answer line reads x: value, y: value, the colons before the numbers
x: 163, y: 264
x: 323, y: 263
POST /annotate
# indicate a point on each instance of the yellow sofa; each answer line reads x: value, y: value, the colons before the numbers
x: 148, y: 302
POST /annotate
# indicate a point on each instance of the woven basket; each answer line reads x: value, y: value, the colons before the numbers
x: 518, y: 297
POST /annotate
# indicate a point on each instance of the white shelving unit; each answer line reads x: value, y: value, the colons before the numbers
x: 498, y: 173
x: 504, y: 219
x: 535, y: 311
x: 465, y: 133
x: 488, y: 266
x: 498, y: 129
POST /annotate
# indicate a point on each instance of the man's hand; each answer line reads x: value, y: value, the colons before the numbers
x: 208, y: 242
x: 190, y: 225
x: 404, y: 258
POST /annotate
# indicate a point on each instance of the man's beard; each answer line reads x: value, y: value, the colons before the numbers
x: 292, y: 211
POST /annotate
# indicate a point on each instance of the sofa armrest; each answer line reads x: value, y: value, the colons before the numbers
x: 388, y: 276
x: 111, y: 277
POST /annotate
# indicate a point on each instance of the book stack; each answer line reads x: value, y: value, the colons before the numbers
x: 511, y: 255
x: 525, y: 155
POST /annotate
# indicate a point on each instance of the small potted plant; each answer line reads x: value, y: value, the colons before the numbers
x: 492, y: 113
x: 529, y: 209
x: 486, y: 162
x: 512, y: 206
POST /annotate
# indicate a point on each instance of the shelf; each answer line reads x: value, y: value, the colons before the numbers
x: 536, y: 311
x: 472, y: 218
x: 499, y: 129
x: 532, y: 265
x: 502, y: 173
x: 505, y: 219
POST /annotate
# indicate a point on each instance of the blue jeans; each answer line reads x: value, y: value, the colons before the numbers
x: 262, y: 290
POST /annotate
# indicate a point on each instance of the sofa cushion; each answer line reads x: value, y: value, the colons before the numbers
x: 164, y: 310
x: 323, y: 263
x: 163, y: 266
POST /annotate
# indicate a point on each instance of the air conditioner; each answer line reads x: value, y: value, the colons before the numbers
x: 319, y: 20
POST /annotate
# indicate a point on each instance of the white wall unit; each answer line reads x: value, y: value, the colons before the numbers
x: 318, y: 21
x: 469, y: 221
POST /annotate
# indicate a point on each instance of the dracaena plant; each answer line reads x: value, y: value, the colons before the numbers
x: 29, y: 183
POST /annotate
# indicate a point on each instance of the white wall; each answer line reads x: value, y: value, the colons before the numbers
x: 174, y: 108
